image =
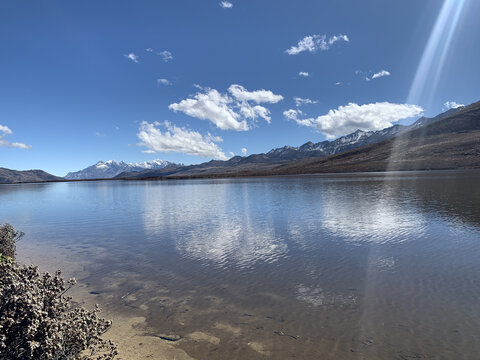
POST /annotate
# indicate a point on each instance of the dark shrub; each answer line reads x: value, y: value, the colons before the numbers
x: 8, y: 238
x: 38, y: 322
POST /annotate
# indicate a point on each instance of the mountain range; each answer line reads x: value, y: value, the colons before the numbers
x: 111, y: 168
x: 354, y: 140
x: 450, y: 140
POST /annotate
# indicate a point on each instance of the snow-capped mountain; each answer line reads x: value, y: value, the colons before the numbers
x: 344, y: 143
x: 111, y: 168
x: 351, y: 141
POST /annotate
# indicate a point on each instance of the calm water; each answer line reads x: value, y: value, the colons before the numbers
x: 313, y: 267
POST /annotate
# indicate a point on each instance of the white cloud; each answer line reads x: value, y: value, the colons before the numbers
x: 213, y: 106
x: 381, y: 73
x: 98, y: 134
x: 338, y: 83
x: 335, y: 38
x: 349, y: 118
x: 244, y: 151
x: 149, y: 50
x: 451, y: 105
x: 132, y: 57
x: 300, y: 101
x: 227, y: 111
x: 258, y: 96
x: 292, y: 114
x: 163, y: 82
x: 304, y: 73
x: 312, y: 43
x: 165, y: 55
x: 226, y: 4
x: 17, y: 145
x: 179, y: 139
x: 5, y: 130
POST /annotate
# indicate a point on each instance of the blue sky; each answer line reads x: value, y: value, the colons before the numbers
x: 187, y: 81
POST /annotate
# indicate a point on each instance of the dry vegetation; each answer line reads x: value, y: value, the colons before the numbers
x: 37, y: 320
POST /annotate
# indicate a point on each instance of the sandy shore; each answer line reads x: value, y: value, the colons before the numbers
x: 130, y: 333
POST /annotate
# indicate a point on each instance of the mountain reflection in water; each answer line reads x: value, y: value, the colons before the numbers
x: 377, y: 266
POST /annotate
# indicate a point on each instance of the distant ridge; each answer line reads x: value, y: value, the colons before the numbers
x: 111, y: 168
x: 450, y: 140
x: 8, y: 176
x: 354, y: 140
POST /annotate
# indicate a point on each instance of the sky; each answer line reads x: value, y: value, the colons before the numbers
x: 189, y: 81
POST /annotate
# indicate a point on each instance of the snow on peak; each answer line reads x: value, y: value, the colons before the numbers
x: 111, y: 168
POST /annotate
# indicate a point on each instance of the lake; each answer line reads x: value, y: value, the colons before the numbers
x: 354, y: 266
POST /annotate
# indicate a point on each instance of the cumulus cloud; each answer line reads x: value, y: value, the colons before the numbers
x: 179, y: 139
x: 228, y: 111
x: 163, y: 82
x: 451, y: 105
x: 214, y: 106
x: 351, y: 117
x: 132, y: 57
x: 165, y: 55
x: 226, y: 4
x: 5, y: 130
x: 312, y: 43
x: 244, y: 151
x: 304, y: 73
x: 300, y: 101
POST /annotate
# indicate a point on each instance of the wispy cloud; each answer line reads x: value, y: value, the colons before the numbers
x: 300, y: 101
x: 228, y: 111
x: 451, y: 105
x: 98, y: 134
x: 292, y: 114
x: 226, y: 4
x: 258, y: 96
x: 312, y: 43
x: 304, y: 73
x: 5, y: 130
x: 244, y: 151
x: 338, y: 83
x: 380, y: 74
x: 165, y: 82
x: 149, y: 50
x: 165, y: 55
x: 376, y: 75
x: 351, y: 117
x: 131, y: 56
x: 180, y: 140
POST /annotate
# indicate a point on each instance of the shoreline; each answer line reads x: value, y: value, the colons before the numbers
x: 235, y: 176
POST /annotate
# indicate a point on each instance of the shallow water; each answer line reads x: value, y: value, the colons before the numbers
x: 365, y: 266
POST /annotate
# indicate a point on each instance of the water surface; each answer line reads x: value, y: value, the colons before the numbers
x: 365, y: 266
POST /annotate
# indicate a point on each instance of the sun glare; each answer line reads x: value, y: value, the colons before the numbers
x: 433, y: 59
